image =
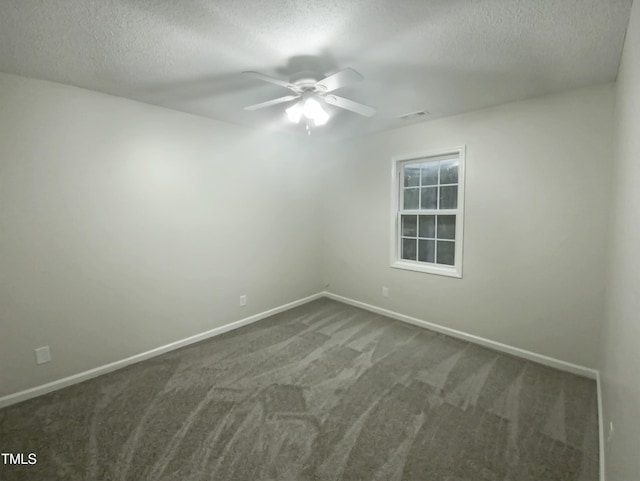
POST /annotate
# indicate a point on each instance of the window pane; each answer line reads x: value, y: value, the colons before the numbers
x: 449, y: 171
x: 411, y: 198
x: 446, y: 227
x: 426, y: 250
x: 446, y: 252
x: 429, y: 198
x: 430, y: 173
x: 449, y: 197
x: 411, y: 175
x: 409, y: 225
x: 409, y: 249
x: 427, y: 226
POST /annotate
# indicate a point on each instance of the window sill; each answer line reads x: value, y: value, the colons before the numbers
x: 427, y: 269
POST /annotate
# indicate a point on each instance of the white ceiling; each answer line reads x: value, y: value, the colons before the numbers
x: 444, y: 56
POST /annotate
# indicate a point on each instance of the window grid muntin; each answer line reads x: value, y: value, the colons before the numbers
x: 419, y: 211
x: 420, y: 186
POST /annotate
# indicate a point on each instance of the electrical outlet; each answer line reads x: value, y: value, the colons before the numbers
x: 385, y: 292
x: 43, y: 355
x: 610, y: 436
x: 243, y: 300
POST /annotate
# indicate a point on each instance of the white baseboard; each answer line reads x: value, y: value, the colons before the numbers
x: 498, y: 346
x: 85, y: 375
x: 522, y: 353
x: 600, y: 427
x: 91, y: 373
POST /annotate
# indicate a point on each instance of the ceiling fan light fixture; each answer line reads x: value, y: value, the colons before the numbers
x: 295, y: 112
x: 311, y: 109
x: 321, y: 118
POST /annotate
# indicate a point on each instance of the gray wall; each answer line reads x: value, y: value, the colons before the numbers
x: 124, y: 227
x: 620, y: 364
x: 537, y: 191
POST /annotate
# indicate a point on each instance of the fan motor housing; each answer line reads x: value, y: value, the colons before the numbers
x: 306, y: 80
x: 306, y: 83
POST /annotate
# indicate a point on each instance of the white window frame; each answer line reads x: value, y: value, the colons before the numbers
x: 396, y: 212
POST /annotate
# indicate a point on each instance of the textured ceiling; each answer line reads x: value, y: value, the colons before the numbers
x: 444, y: 56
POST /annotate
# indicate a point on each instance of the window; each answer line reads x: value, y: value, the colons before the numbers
x: 427, y: 213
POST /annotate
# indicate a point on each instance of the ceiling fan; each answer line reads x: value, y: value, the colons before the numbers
x: 313, y: 93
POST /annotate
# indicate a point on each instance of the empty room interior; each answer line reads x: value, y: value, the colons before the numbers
x: 320, y: 240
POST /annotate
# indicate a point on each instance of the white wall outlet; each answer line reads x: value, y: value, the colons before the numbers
x: 385, y: 292
x: 610, y: 436
x: 43, y: 355
x: 243, y: 300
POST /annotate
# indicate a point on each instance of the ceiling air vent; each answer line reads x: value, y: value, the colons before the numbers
x: 419, y: 114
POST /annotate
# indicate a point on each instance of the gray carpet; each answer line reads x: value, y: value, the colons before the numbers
x: 321, y: 392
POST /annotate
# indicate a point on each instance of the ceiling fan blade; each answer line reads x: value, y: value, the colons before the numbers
x: 273, y: 80
x: 347, y: 104
x: 340, y: 79
x: 269, y: 103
